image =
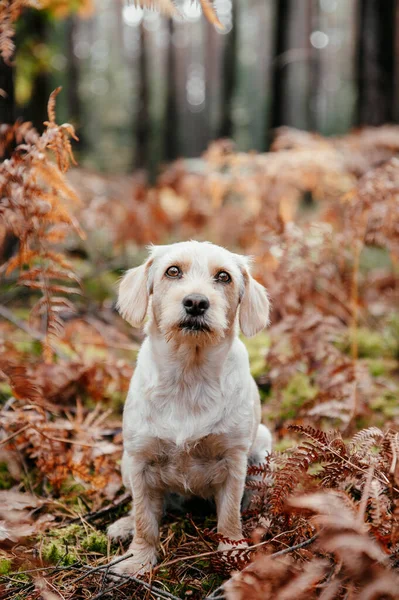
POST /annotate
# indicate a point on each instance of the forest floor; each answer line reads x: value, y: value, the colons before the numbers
x: 321, y: 219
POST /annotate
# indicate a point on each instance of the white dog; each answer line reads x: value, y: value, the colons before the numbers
x: 192, y: 418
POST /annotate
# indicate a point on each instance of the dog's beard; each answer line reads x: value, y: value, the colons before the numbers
x: 194, y: 325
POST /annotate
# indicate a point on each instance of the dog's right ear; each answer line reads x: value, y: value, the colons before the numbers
x: 134, y: 294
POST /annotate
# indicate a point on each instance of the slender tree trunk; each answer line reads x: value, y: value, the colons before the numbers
x: 376, y: 62
x: 171, y: 131
x: 143, y: 116
x: 7, y: 101
x: 280, y: 69
x: 315, y: 78
x: 229, y: 77
x: 73, y: 98
x: 33, y: 29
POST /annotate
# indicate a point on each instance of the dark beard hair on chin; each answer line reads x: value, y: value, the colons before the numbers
x: 194, y: 325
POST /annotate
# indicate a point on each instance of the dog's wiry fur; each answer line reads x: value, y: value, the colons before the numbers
x: 192, y: 417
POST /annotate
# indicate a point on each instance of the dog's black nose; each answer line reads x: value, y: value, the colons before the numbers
x: 195, y: 304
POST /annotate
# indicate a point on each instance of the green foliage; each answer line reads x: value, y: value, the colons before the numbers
x: 371, y: 344
x: 6, y: 480
x: 5, y: 566
x: 377, y: 367
x: 57, y: 553
x: 96, y: 542
x: 257, y: 349
x: 387, y: 404
x: 101, y: 286
x: 299, y: 391
x: 393, y: 334
x: 71, y: 544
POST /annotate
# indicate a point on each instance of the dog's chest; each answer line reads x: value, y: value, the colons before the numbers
x: 189, y: 469
x: 181, y: 413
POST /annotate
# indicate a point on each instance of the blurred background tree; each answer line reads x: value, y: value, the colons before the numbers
x: 143, y: 89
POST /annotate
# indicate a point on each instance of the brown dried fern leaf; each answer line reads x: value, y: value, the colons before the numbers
x: 34, y: 209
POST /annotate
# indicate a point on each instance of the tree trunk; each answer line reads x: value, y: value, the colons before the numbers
x: 171, y: 132
x: 143, y: 116
x: 376, y: 62
x: 280, y: 68
x: 73, y: 98
x: 7, y: 102
x: 33, y: 30
x: 229, y: 77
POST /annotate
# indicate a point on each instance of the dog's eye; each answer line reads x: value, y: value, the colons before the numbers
x: 173, y: 272
x: 223, y: 277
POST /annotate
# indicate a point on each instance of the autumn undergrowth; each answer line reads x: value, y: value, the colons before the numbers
x: 321, y: 219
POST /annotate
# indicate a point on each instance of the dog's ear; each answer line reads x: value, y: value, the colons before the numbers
x: 134, y: 294
x: 255, y: 306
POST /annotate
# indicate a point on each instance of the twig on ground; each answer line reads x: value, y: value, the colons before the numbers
x: 98, y: 514
x: 102, y: 567
x: 126, y: 578
x: 13, y: 435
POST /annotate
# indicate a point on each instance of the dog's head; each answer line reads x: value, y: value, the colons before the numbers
x: 197, y: 291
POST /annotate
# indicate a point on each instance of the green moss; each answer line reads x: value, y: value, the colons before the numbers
x: 59, y: 553
x: 6, y: 481
x: 299, y: 391
x: 96, y: 542
x: 70, y: 544
x: 70, y: 534
x: 5, y: 566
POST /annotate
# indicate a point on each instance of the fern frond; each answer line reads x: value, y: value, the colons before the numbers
x: 51, y: 104
x: 22, y: 383
x: 363, y: 440
x: 378, y: 503
x: 7, y: 45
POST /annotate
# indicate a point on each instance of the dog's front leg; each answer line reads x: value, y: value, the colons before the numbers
x: 228, y: 500
x: 148, y: 505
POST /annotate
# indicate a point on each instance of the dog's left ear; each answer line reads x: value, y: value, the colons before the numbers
x: 134, y: 294
x: 255, y: 306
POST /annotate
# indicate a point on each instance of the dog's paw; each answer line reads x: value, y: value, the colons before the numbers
x: 141, y: 562
x: 122, y: 528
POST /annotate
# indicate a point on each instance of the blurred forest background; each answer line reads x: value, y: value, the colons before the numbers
x: 284, y: 126
x: 142, y: 90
